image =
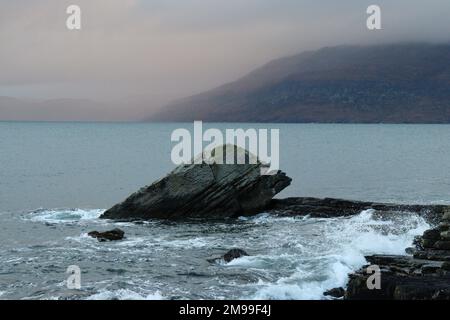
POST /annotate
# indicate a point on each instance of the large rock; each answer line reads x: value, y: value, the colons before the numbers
x: 205, y: 190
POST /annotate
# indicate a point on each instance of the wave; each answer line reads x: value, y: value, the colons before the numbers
x: 63, y: 215
x: 342, y: 250
x: 124, y: 294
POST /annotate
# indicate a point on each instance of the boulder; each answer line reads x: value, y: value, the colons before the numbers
x: 442, y: 245
x: 432, y: 234
x: 445, y: 235
x: 111, y: 235
x: 230, y: 255
x: 424, y: 276
x: 446, y: 216
x: 335, y: 292
x: 234, y: 254
x: 402, y: 278
x: 206, y: 190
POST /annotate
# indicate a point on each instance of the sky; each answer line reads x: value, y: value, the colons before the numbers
x: 156, y: 51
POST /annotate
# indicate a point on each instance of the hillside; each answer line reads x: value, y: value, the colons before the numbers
x: 396, y: 83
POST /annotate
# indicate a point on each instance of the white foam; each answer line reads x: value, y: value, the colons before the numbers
x: 265, y: 218
x: 64, y: 215
x: 344, y: 244
x: 124, y: 294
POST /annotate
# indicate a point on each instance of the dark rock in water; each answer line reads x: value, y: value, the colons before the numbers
x: 446, y: 216
x: 234, y: 254
x: 432, y: 234
x: 206, y: 190
x: 433, y: 254
x: 428, y: 243
x: 396, y: 287
x: 230, y: 255
x: 111, y: 235
x: 335, y: 292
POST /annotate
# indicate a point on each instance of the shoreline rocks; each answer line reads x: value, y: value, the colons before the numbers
x: 423, y: 276
x: 232, y: 254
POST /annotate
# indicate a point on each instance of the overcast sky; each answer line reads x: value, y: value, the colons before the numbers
x: 160, y: 50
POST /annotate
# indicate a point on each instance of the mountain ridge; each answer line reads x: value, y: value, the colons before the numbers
x: 390, y: 83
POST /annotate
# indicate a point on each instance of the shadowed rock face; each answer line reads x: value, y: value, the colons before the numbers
x: 204, y: 191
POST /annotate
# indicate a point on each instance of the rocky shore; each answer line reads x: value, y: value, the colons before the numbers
x: 216, y: 191
x: 424, y: 274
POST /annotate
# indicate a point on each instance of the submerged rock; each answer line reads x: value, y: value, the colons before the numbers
x: 205, y: 190
x: 234, y: 254
x: 331, y: 207
x: 111, y: 235
x: 230, y: 255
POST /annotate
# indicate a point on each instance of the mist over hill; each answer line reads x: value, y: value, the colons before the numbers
x: 395, y: 83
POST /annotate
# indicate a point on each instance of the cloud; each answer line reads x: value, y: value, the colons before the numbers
x: 165, y: 49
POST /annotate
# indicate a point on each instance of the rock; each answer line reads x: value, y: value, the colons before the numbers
x: 433, y: 254
x: 230, y: 255
x: 444, y: 226
x: 330, y: 207
x: 234, y: 254
x: 428, y: 243
x: 402, y: 278
x: 446, y: 216
x: 335, y: 292
x: 442, y: 245
x: 432, y: 234
x: 425, y: 276
x: 111, y: 235
x: 205, y: 191
x: 445, y: 235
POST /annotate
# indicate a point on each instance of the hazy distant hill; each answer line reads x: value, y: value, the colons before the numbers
x: 69, y: 110
x: 400, y: 83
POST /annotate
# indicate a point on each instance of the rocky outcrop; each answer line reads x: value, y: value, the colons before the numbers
x: 423, y: 276
x: 330, y: 207
x: 111, y: 235
x: 230, y: 255
x: 205, y: 190
x: 335, y: 292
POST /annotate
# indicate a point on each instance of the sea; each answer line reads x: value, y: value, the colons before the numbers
x: 56, y: 179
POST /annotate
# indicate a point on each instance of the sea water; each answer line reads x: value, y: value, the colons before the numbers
x: 57, y: 178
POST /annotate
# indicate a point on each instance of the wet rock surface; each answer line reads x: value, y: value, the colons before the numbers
x: 230, y: 255
x: 335, y: 292
x: 331, y: 207
x: 423, y: 276
x: 111, y: 235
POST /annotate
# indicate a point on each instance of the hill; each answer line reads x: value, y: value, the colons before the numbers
x: 395, y: 83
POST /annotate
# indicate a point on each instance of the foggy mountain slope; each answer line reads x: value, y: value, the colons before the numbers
x: 396, y: 83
